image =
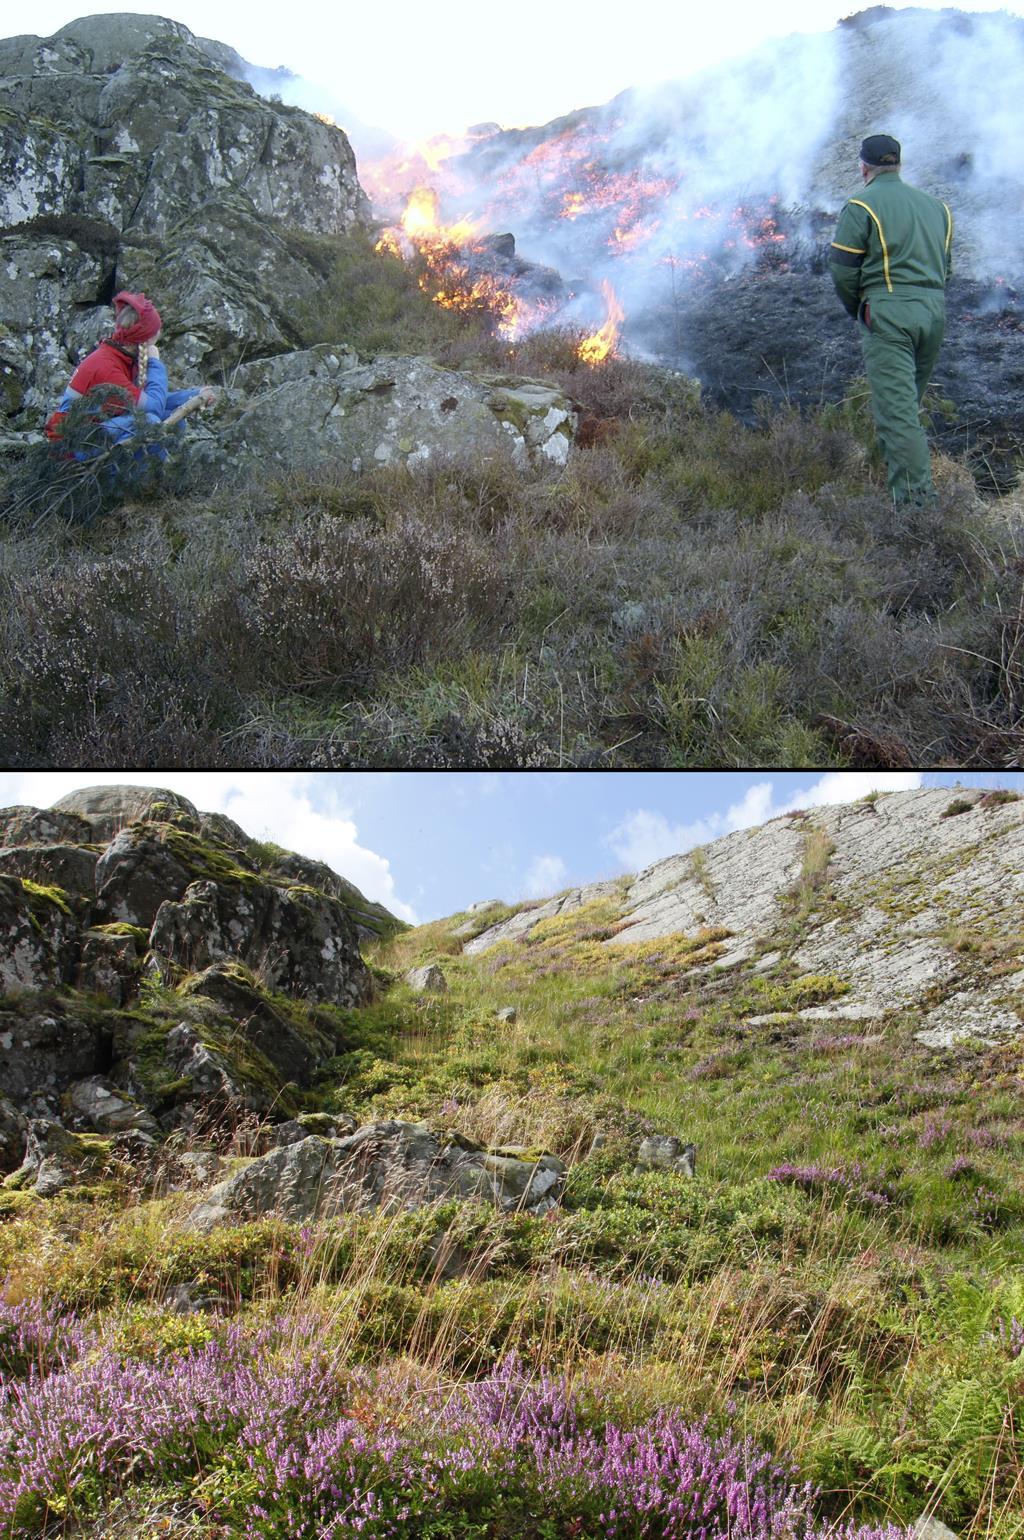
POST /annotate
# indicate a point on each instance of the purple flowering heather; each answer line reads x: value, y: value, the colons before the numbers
x: 33, y: 1335
x: 850, y: 1180
x: 304, y: 1448
x: 1011, y: 1335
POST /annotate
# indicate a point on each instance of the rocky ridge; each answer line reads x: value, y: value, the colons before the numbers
x: 117, y: 894
x: 162, y: 973
x: 910, y: 900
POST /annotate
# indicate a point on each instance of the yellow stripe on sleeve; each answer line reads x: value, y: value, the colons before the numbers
x: 881, y: 236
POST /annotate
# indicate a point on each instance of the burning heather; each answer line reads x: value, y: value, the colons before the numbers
x: 632, y: 221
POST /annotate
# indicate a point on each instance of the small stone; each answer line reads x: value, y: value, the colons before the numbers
x: 507, y: 1013
x: 663, y: 1152
x: 930, y: 1528
x: 429, y: 980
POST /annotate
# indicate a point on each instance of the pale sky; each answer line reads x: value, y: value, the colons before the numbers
x: 418, y: 69
x: 430, y: 843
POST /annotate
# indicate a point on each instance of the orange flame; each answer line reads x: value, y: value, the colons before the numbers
x: 601, y: 345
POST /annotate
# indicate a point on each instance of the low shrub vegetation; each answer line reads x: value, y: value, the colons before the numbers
x: 820, y: 1335
x: 690, y: 590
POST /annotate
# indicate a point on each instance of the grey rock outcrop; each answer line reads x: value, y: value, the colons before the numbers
x: 130, y: 158
x: 302, y: 941
x: 142, y: 886
x: 521, y: 923
x: 135, y: 874
x: 663, y: 1152
x: 38, y: 938
x: 107, y: 810
x: 370, y: 920
x: 22, y: 826
x: 303, y: 406
x: 928, y: 1527
x: 906, y: 877
x: 381, y: 1165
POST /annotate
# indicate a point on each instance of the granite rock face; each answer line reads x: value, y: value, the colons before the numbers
x: 117, y: 890
x: 903, y: 878
x: 130, y: 158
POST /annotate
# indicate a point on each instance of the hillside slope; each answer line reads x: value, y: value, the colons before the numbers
x: 579, y: 1220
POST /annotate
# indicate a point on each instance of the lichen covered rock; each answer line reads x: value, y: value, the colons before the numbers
x: 38, y: 937
x: 382, y: 1165
x: 324, y: 402
x: 132, y: 124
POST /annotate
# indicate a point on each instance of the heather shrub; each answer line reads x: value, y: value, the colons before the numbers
x: 373, y: 301
x: 271, y: 1435
x: 328, y: 605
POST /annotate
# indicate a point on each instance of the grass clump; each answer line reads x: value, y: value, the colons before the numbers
x: 956, y: 807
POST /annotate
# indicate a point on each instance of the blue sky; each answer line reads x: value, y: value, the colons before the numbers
x: 428, y: 844
x: 419, y: 69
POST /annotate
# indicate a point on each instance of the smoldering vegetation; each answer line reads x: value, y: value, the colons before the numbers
x: 689, y: 591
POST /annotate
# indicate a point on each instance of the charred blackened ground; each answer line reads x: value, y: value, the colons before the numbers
x: 782, y: 337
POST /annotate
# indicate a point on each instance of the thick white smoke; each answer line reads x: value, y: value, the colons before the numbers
x: 666, y: 184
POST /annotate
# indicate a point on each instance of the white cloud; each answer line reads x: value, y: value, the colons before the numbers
x: 546, y: 875
x: 298, y: 809
x: 645, y: 837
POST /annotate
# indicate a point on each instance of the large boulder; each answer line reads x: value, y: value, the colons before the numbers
x: 304, y: 407
x: 382, y: 1165
x: 109, y: 809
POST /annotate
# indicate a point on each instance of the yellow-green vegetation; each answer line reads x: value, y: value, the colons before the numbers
x: 843, y: 1279
x: 813, y: 878
x: 46, y: 893
x: 699, y: 870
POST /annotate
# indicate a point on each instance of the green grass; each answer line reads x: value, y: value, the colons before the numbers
x: 866, y: 1335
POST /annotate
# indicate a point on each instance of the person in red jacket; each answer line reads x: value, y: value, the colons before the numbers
x: 130, y: 360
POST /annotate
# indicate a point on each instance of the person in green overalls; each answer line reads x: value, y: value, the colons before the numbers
x: 890, y: 261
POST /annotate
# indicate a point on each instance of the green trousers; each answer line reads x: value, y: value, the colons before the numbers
x: 901, y: 345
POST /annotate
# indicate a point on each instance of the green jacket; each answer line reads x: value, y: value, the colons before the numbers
x: 891, y: 237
